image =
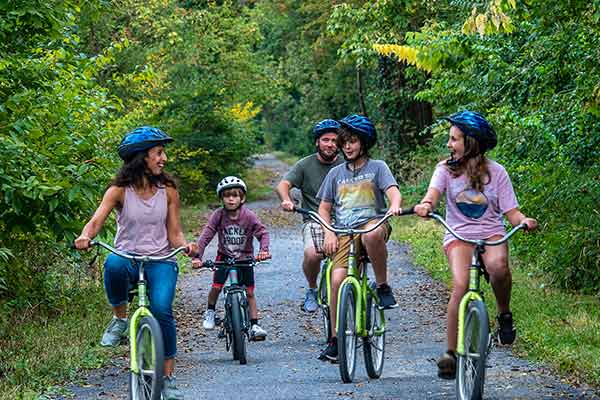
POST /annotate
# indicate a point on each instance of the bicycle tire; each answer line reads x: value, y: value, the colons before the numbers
x: 326, y: 323
x: 324, y: 305
x: 470, y: 374
x: 346, y: 333
x: 373, y: 345
x: 237, y: 326
x: 147, y: 385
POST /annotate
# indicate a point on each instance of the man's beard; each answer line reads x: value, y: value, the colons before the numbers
x: 325, y: 156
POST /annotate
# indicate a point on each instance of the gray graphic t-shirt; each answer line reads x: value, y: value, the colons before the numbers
x: 357, y: 196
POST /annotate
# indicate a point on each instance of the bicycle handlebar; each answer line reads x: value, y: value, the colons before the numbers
x: 350, y: 231
x: 245, y: 263
x: 480, y: 242
x: 136, y: 257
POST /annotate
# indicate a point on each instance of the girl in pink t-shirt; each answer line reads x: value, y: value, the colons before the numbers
x: 479, y: 194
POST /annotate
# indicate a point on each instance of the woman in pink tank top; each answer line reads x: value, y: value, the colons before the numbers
x: 146, y: 203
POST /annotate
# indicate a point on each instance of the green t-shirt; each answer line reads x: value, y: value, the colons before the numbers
x: 307, y: 175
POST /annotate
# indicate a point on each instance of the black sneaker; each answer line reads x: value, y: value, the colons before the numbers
x: 506, y: 331
x: 331, y: 352
x: 386, y: 297
x: 447, y: 365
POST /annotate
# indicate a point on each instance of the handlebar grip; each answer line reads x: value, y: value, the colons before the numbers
x: 408, y: 211
x: 301, y: 210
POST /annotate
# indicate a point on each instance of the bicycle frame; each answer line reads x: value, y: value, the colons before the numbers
x: 143, y: 309
x: 474, y: 291
x: 358, y: 279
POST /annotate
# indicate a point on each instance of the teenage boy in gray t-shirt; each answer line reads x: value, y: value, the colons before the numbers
x: 307, y: 175
x: 356, y: 190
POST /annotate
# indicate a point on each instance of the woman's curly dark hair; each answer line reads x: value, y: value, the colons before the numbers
x: 133, y: 170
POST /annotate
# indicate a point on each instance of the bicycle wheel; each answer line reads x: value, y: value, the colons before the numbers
x: 326, y: 323
x: 346, y: 333
x: 324, y: 305
x: 237, y: 326
x: 147, y: 384
x: 470, y: 374
x: 374, y: 343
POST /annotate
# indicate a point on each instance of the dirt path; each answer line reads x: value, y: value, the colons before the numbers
x: 286, y: 366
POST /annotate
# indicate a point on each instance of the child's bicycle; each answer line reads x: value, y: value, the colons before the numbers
x: 359, y: 313
x: 146, y: 347
x: 236, y: 321
x: 473, y: 339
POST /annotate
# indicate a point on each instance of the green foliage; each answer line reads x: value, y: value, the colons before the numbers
x: 317, y: 84
x: 531, y: 67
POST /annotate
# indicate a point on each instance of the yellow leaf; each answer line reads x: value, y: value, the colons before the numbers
x: 481, y: 22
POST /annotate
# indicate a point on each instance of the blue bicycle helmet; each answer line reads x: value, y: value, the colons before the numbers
x: 141, y: 139
x: 362, y: 126
x: 475, y: 125
x: 327, y: 125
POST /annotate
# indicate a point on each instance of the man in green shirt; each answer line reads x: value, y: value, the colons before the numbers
x: 307, y: 175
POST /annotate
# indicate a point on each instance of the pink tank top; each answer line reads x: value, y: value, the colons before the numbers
x: 142, y: 224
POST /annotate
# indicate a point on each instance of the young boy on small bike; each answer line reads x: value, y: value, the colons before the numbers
x: 235, y: 226
x: 355, y: 190
x: 478, y: 194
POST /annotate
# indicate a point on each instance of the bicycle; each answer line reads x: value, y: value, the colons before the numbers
x: 146, y: 346
x: 236, y: 321
x: 359, y: 312
x: 474, y: 340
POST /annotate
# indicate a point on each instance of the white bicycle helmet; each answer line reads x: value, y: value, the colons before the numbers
x: 230, y: 182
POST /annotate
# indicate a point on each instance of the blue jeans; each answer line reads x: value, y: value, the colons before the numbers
x: 120, y: 276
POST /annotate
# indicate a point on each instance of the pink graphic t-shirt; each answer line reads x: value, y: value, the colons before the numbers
x: 473, y: 214
x: 235, y: 236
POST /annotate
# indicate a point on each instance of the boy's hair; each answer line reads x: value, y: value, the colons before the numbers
x: 474, y: 164
x: 237, y: 190
x: 345, y: 134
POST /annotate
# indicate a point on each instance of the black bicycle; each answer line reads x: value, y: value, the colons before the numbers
x: 236, y: 321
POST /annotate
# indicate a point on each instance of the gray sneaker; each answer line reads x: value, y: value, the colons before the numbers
x: 114, y: 332
x: 310, y: 301
x: 170, y: 391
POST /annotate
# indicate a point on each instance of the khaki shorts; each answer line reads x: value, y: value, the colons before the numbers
x: 312, y: 236
x: 340, y: 258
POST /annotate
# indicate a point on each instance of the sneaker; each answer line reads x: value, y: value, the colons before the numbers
x: 257, y: 333
x: 170, y: 391
x: 330, y: 353
x: 447, y: 365
x: 310, y: 301
x: 386, y: 297
x: 209, y: 320
x: 114, y: 332
x: 506, y: 331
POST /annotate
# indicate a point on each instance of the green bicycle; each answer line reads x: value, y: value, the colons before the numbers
x: 146, y: 345
x: 473, y: 339
x: 359, y: 314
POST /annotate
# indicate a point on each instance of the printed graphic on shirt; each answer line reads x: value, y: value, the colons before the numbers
x: 234, y: 240
x: 357, y: 198
x: 472, y: 203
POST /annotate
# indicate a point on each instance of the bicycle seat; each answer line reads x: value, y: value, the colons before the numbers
x: 363, y: 257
